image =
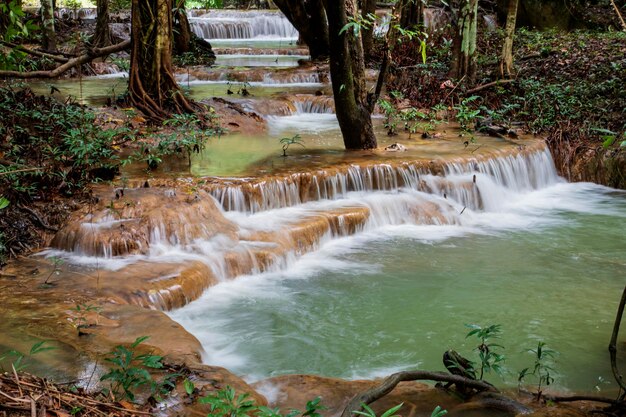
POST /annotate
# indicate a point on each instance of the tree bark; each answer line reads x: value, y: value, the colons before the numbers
x: 369, y: 8
x: 47, y: 26
x: 151, y: 85
x: 506, y: 60
x: 102, y: 35
x: 463, y: 62
x: 347, y: 71
x: 309, y: 18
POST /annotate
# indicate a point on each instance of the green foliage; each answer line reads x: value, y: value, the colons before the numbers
x: 129, y: 372
x: 438, y: 412
x: 52, y: 147
x: 391, y: 115
x: 226, y: 403
x: 16, y: 27
x: 358, y: 22
x: 287, y: 142
x: 4, y: 203
x: 466, y: 114
x: 204, y: 4
x: 189, y: 135
x: 119, y: 5
x: 371, y: 413
x: 541, y: 370
x: 79, y: 320
x: 609, y: 137
x: 20, y: 361
x: 490, y: 360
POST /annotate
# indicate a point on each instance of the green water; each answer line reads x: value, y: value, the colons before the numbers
x: 549, y: 268
x: 95, y: 91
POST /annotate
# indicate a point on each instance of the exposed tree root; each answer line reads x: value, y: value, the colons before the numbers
x: 389, y: 383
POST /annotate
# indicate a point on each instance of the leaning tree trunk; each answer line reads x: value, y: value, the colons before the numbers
x: 47, y: 26
x: 369, y: 8
x: 347, y: 71
x: 151, y: 85
x: 102, y: 35
x: 309, y: 18
x: 464, y: 46
x: 506, y: 60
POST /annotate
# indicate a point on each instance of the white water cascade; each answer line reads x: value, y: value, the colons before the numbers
x: 243, y: 25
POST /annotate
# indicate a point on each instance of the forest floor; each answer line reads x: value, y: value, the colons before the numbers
x: 568, y: 87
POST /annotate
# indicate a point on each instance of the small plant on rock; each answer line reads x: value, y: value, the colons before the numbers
x: 490, y: 359
x: 541, y: 370
x: 129, y: 371
x: 287, y: 142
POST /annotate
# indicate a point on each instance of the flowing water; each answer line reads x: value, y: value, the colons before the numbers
x: 357, y: 264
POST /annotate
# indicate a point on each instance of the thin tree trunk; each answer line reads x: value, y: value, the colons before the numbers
x: 182, y: 29
x: 309, y: 18
x: 506, y: 61
x: 151, y: 85
x: 411, y: 13
x: 464, y: 46
x: 369, y: 8
x: 347, y: 71
x: 102, y: 35
x: 47, y: 26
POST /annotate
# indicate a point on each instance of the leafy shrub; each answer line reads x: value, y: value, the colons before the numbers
x: 129, y: 372
x: 50, y: 147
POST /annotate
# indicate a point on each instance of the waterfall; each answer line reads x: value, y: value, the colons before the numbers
x: 522, y: 172
x: 242, y: 25
x: 239, y: 226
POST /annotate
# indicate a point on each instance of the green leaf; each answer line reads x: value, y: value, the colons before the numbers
x: 438, y: 412
x: 392, y: 411
x: 608, y: 141
x: 4, y: 203
x: 39, y: 347
x: 189, y: 386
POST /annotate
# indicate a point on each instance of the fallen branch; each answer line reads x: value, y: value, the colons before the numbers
x: 22, y: 48
x: 80, y: 60
x: 572, y: 398
x: 389, y: 383
x: 613, y: 343
x: 39, y: 220
x: 485, y: 86
x: 20, y: 170
x: 619, y: 15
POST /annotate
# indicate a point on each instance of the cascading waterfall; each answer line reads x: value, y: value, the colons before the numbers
x: 251, y: 226
x: 243, y: 25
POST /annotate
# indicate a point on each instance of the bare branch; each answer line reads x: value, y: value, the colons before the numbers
x: 83, y: 59
x: 613, y: 343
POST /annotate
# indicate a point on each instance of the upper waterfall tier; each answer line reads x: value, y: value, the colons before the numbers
x: 242, y: 25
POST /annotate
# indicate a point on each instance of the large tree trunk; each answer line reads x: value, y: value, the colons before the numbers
x: 47, y: 26
x: 464, y: 46
x: 347, y: 70
x: 369, y: 8
x: 151, y: 85
x: 506, y: 61
x: 102, y: 35
x: 309, y: 18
